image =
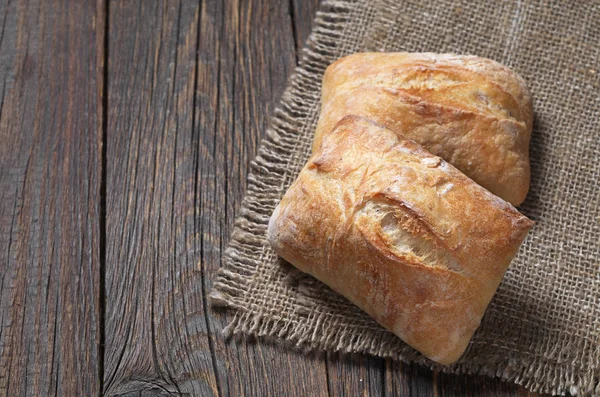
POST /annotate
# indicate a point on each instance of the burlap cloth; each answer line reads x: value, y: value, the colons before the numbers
x: 542, y: 329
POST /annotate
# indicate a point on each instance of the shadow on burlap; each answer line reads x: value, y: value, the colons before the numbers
x: 542, y: 329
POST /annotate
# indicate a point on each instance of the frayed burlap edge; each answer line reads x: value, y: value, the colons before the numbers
x: 268, y: 176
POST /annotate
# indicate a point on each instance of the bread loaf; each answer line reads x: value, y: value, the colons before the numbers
x: 473, y: 112
x: 399, y: 232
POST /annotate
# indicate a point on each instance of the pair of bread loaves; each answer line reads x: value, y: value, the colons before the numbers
x: 419, y: 244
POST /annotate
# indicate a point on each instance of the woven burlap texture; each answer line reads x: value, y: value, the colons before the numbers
x: 542, y: 329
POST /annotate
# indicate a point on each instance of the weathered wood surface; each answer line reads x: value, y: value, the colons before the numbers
x: 126, y: 130
x: 50, y: 178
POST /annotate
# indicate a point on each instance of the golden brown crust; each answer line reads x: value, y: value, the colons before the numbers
x: 473, y: 112
x: 401, y: 233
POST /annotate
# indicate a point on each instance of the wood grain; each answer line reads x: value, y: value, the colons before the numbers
x: 302, y: 13
x: 466, y: 385
x: 175, y: 177
x: 156, y: 333
x: 355, y: 375
x: 50, y: 152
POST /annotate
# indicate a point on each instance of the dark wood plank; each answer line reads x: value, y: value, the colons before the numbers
x: 469, y: 385
x: 50, y: 155
x: 156, y: 332
x: 246, y: 55
x: 421, y: 381
x: 396, y: 378
x: 355, y: 375
x: 303, y: 12
x: 156, y: 335
x: 414, y: 380
x: 403, y: 379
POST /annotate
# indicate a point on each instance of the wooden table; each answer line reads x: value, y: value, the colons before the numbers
x: 126, y: 129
